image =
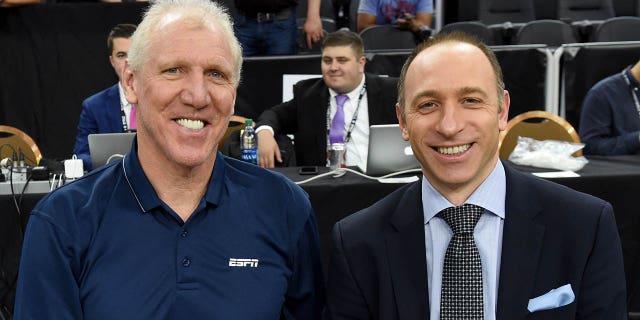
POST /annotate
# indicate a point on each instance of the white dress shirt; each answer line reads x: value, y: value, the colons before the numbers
x: 124, y: 103
x: 490, y: 195
x: 358, y: 147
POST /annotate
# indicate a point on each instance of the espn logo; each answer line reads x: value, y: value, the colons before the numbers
x: 234, y: 262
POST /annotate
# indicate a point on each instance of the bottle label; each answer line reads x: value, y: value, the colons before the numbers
x: 250, y: 155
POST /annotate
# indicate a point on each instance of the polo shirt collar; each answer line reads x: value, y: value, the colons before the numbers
x: 147, y: 197
x: 633, y: 81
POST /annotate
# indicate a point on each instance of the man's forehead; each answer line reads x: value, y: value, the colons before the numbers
x: 338, y: 52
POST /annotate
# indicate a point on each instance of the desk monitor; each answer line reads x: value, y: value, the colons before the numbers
x: 103, y: 146
x: 388, y: 152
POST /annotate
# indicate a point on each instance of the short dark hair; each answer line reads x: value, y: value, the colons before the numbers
x: 455, y: 36
x: 344, y: 38
x: 122, y: 30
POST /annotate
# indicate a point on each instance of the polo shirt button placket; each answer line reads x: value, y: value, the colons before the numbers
x: 184, y: 233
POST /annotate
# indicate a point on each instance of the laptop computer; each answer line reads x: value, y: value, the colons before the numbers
x: 388, y: 152
x: 109, y: 146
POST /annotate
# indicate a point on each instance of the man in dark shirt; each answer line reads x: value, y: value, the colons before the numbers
x: 610, y: 116
x: 175, y: 230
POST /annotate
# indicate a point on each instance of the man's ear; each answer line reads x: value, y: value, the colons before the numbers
x: 402, y: 122
x: 503, y: 116
x: 128, y: 84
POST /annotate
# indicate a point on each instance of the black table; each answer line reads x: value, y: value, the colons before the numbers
x: 615, y: 179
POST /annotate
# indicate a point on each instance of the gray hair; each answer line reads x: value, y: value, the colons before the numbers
x: 200, y: 13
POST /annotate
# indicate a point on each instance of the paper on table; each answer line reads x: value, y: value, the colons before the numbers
x: 399, y: 180
x: 556, y: 174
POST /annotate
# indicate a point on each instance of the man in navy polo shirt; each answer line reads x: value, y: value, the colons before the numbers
x: 175, y: 230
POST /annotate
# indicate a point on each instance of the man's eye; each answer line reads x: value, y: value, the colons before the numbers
x: 427, y: 104
x: 172, y: 70
x: 471, y: 100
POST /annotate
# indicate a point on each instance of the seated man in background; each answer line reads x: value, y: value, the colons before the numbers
x: 368, y: 100
x: 107, y: 111
x: 610, y: 116
x: 414, y: 15
x: 175, y: 230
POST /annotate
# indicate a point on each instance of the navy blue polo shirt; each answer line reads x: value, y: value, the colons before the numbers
x: 106, y: 247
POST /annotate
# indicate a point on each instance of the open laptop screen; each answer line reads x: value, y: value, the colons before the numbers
x: 388, y: 152
x: 104, y: 146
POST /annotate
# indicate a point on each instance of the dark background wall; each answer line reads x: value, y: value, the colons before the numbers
x: 53, y: 56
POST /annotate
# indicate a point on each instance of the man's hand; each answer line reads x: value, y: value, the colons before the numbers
x: 313, y: 30
x: 268, y: 149
x: 413, y: 23
x: 313, y: 25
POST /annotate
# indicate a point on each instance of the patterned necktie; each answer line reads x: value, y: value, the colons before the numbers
x: 461, y: 295
x: 336, y: 132
x: 132, y: 119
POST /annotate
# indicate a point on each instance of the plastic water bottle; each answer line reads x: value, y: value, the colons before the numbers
x: 249, y: 143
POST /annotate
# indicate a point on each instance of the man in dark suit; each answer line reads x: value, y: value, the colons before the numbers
x: 106, y: 111
x: 534, y: 249
x: 371, y: 100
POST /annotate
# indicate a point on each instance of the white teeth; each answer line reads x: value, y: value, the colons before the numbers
x: 454, y: 150
x: 191, y: 124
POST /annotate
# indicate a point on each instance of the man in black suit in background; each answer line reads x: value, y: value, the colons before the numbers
x: 534, y: 249
x: 370, y: 100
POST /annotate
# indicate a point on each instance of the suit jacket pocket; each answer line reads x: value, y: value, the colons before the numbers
x: 567, y: 312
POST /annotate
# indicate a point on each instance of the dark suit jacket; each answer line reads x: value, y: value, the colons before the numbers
x: 100, y: 114
x: 305, y: 115
x: 552, y: 236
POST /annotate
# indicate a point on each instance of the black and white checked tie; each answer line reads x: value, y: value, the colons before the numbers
x: 461, y: 295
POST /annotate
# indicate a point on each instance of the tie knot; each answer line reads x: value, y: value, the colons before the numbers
x: 462, y: 219
x: 340, y: 99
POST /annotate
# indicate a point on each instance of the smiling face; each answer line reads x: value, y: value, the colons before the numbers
x: 452, y: 118
x: 342, y: 70
x: 184, y: 94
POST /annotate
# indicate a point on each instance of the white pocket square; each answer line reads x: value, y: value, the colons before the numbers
x: 555, y: 298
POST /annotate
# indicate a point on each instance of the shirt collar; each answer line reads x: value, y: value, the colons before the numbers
x: 632, y: 80
x: 490, y: 195
x: 123, y: 98
x: 147, y: 197
x: 353, y: 94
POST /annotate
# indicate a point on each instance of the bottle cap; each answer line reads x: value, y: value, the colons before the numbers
x: 248, y: 122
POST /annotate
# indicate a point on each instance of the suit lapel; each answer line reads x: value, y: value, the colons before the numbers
x: 521, y: 248
x: 112, y: 109
x: 320, y: 108
x: 406, y: 252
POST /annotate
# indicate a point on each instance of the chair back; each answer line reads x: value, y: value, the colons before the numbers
x: 13, y: 139
x: 380, y: 37
x: 575, y: 10
x: 553, y: 33
x: 539, y: 125
x: 235, y: 123
x: 475, y: 28
x: 499, y: 11
x: 618, y: 29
